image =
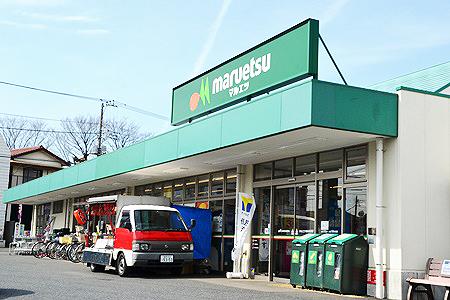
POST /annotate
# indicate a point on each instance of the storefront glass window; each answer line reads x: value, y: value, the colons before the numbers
x: 157, y: 190
x: 283, y: 168
x: 167, y: 188
x: 261, y: 218
x: 231, y: 181
x: 305, y: 165
x: 215, y: 257
x: 304, y: 208
x: 42, y: 217
x: 330, y: 161
x: 263, y: 171
x: 284, y: 226
x: 284, y: 211
x: 356, y: 163
x: 147, y: 190
x: 229, y: 219
x: 330, y: 205
x: 203, y: 186
x: 189, y: 188
x: 356, y: 210
x: 260, y: 227
x: 217, y: 184
x: 178, y: 191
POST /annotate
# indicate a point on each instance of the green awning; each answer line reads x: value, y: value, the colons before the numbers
x: 311, y: 103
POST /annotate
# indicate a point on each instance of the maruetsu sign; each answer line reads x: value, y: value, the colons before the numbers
x: 287, y: 57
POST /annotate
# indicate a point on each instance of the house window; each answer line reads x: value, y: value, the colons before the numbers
x: 30, y: 174
x: 58, y: 207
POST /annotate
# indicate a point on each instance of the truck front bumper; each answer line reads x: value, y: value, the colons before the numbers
x: 149, y: 259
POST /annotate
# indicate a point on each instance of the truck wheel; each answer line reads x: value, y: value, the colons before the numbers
x: 121, y: 266
x: 97, y: 268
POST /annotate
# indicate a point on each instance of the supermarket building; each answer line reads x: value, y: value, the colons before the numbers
x: 318, y: 157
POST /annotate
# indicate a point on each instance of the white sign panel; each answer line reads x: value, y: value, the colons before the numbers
x: 324, y: 225
x: 245, y: 211
x: 445, y: 268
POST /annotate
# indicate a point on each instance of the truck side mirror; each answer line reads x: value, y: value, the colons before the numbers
x: 193, y: 223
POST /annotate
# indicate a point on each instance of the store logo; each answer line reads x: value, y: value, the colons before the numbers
x: 203, y: 95
x: 247, y: 203
x: 235, y: 82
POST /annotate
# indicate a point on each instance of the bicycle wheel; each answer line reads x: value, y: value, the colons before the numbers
x: 50, y: 250
x: 71, y: 252
x: 38, y: 250
x: 61, y: 251
x: 79, y: 252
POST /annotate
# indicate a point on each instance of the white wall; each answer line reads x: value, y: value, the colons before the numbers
x: 60, y: 219
x: 416, y: 189
x: 39, y: 158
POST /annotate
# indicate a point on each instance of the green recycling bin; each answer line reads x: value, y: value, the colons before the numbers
x: 315, y: 260
x: 298, y: 260
x: 346, y: 260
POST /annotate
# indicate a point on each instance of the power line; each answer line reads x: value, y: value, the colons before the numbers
x: 120, y: 104
x: 46, y: 130
x: 45, y: 119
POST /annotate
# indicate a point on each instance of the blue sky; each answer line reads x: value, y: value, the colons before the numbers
x: 137, y: 51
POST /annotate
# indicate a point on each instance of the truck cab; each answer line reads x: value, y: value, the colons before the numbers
x: 151, y: 236
x: 148, y: 232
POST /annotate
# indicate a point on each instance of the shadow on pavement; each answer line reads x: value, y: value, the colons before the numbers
x: 9, y: 293
x: 164, y: 274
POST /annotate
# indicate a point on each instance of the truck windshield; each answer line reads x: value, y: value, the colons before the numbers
x: 163, y: 220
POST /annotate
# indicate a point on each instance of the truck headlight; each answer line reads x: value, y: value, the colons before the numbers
x: 144, y: 247
x: 187, y: 247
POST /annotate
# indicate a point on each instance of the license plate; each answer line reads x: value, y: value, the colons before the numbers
x: 166, y: 259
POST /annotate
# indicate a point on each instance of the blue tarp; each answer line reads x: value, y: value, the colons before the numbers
x: 202, y: 232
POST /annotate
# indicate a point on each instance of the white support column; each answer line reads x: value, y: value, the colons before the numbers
x: 33, y: 220
x: 379, y: 241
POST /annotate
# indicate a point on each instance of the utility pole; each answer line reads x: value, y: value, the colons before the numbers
x: 99, y: 148
x: 104, y: 104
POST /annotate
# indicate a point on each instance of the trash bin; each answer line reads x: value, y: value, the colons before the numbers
x: 346, y: 260
x: 298, y: 260
x: 315, y: 260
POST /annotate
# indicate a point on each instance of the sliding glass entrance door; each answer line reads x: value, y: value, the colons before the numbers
x: 294, y: 208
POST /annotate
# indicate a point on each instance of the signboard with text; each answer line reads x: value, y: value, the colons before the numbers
x: 291, y: 55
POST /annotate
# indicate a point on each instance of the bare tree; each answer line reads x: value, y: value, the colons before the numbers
x: 79, y: 137
x: 21, y: 133
x: 122, y: 133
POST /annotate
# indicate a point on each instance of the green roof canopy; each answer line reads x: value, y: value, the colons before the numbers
x: 311, y: 103
x: 432, y: 79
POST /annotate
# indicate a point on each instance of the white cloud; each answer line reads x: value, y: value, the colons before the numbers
x: 332, y: 12
x: 58, y: 18
x: 23, y: 25
x: 199, y: 64
x: 97, y: 31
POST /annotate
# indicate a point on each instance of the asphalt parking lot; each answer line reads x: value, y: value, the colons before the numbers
x: 25, y: 277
